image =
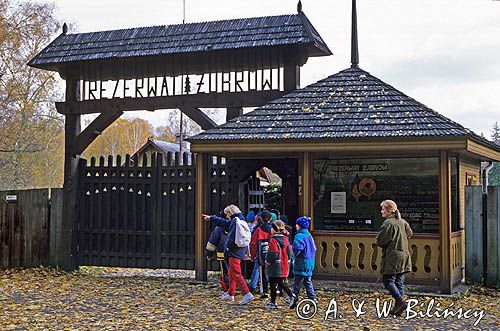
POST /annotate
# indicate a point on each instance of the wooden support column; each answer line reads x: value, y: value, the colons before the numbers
x: 445, y: 221
x: 233, y: 112
x: 305, y: 185
x: 69, y: 231
x: 201, y: 227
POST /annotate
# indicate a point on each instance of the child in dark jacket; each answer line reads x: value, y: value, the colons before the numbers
x: 215, y: 246
x: 277, y: 263
x: 304, y: 251
x: 258, y: 250
x: 233, y: 252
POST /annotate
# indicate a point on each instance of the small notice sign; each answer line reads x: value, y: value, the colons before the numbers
x: 11, y: 198
x: 338, y: 202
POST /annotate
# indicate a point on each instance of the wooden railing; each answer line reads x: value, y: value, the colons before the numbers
x: 456, y: 257
x: 355, y: 255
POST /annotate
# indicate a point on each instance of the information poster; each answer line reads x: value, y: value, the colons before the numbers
x: 338, y: 203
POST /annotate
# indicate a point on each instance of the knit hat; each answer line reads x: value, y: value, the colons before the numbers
x: 274, y: 217
x: 266, y: 216
x: 303, y: 222
x: 250, y: 216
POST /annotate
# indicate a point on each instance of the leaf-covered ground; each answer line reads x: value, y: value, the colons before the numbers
x: 127, y: 299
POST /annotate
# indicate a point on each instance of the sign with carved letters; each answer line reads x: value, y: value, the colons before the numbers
x: 216, y: 82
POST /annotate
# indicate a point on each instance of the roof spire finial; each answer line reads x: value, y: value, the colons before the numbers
x: 299, y: 7
x: 354, y: 37
x: 65, y: 28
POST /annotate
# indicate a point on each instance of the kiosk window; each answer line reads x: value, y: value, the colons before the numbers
x: 347, y: 193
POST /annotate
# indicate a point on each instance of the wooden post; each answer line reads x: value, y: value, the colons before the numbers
x: 493, y: 237
x: 68, y: 243
x: 291, y: 77
x: 233, y: 112
x: 445, y: 221
x: 200, y: 226
x: 56, y: 201
x: 305, y: 185
x: 473, y: 234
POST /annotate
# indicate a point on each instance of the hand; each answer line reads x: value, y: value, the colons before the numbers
x: 205, y: 217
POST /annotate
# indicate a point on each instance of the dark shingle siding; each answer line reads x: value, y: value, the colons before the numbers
x: 183, y: 38
x: 349, y: 104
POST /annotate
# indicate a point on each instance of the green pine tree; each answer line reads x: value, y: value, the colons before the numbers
x: 495, y: 133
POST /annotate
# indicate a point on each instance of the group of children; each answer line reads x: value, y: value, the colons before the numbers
x: 268, y: 246
x: 276, y: 255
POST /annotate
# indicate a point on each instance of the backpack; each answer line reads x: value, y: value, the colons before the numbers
x: 291, y: 258
x: 263, y: 248
x: 242, y: 233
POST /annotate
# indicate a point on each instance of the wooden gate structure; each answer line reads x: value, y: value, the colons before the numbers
x: 140, y: 212
x: 227, y: 64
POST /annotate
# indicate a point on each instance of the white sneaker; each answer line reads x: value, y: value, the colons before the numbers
x: 227, y: 297
x: 289, y: 300
x: 246, y: 298
x: 271, y: 305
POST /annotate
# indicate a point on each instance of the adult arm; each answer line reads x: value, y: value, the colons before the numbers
x: 385, y: 235
x: 409, y: 231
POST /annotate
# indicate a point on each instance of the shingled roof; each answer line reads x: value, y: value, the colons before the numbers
x: 349, y: 104
x: 183, y: 38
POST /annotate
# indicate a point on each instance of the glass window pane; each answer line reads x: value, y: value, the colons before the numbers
x: 348, y: 192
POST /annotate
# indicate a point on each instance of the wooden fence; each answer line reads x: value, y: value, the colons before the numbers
x: 29, y: 227
x: 482, y: 235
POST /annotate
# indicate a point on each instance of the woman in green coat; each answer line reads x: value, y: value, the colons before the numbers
x: 396, y: 261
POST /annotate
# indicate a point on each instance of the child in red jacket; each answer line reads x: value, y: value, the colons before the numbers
x: 277, y: 264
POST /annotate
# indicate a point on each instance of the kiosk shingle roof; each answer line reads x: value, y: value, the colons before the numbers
x: 183, y: 38
x: 349, y: 104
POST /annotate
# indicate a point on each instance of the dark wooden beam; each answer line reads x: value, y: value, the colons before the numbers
x: 233, y: 112
x: 202, y: 100
x: 199, y: 117
x: 91, y: 132
x: 291, y: 74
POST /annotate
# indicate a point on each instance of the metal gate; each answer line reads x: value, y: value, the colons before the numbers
x: 141, y: 212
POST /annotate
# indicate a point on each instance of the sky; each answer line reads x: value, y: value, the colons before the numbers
x: 443, y: 53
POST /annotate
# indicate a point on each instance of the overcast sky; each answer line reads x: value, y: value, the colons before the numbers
x: 443, y: 53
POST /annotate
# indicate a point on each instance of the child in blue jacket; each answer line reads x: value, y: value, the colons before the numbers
x: 304, y: 251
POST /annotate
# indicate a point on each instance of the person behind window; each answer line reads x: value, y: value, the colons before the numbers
x: 396, y: 259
